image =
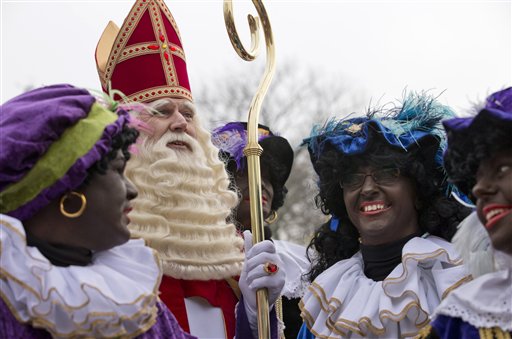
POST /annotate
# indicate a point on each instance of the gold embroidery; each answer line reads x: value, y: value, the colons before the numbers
x: 354, y: 128
x: 318, y: 335
x: 305, y: 315
x: 421, y: 257
x: 338, y: 326
x: 121, y: 52
x: 424, y: 332
x: 457, y: 284
x: 122, y: 38
x: 165, y: 58
x: 493, y: 333
x: 136, y: 50
x: 160, y: 92
x: 325, y: 304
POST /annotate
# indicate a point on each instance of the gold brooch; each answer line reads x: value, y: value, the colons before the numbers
x: 354, y: 128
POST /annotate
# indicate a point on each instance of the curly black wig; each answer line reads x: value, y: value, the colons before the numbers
x: 438, y: 215
x: 121, y: 141
x: 461, y: 162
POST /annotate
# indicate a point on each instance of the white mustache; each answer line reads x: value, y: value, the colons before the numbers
x: 170, y: 137
x: 178, y: 138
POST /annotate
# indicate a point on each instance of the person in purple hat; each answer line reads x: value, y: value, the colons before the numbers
x: 479, y: 161
x: 276, y: 164
x: 68, y: 266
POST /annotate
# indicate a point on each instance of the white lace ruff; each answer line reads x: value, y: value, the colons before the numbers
x: 343, y: 302
x: 484, y: 302
x: 114, y: 296
x: 296, y: 264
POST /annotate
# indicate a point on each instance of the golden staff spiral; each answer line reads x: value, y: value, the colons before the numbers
x: 253, y: 150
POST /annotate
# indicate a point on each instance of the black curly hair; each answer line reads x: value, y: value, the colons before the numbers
x: 438, y: 215
x: 120, y: 141
x: 462, y: 160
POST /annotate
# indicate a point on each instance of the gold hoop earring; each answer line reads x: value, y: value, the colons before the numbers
x: 77, y: 213
x: 272, y: 218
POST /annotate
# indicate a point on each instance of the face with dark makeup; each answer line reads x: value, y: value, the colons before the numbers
x: 381, y: 206
x: 104, y: 223
x: 243, y: 211
x: 493, y: 191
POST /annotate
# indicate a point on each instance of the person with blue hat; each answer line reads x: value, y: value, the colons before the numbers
x: 479, y: 161
x: 384, y: 261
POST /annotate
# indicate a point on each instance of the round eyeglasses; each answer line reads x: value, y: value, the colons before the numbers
x: 383, y: 176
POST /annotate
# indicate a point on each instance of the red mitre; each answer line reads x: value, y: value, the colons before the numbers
x: 144, y: 59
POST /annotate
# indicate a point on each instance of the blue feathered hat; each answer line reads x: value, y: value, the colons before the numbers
x: 415, y: 123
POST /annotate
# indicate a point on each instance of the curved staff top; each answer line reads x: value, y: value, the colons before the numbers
x: 253, y: 150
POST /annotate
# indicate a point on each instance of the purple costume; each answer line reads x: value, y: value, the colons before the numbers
x: 166, y: 326
x: 51, y: 137
x: 483, y: 307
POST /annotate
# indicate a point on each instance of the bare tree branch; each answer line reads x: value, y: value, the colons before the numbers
x: 298, y: 98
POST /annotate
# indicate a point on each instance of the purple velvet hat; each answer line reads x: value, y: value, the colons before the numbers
x: 472, y: 139
x: 231, y: 139
x: 50, y: 137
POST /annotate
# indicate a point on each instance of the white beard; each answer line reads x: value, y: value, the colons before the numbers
x: 182, y: 208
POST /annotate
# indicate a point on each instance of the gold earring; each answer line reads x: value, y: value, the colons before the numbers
x: 74, y: 214
x: 272, y: 218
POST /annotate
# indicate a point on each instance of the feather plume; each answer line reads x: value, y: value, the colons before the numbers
x: 231, y: 139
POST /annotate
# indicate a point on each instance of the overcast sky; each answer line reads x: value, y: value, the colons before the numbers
x: 378, y: 47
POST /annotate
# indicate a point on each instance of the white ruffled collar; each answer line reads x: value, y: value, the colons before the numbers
x: 114, y: 296
x: 485, y: 302
x: 343, y: 300
x: 297, y: 264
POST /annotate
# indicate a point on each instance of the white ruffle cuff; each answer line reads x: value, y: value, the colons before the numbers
x: 485, y: 302
x: 296, y: 265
